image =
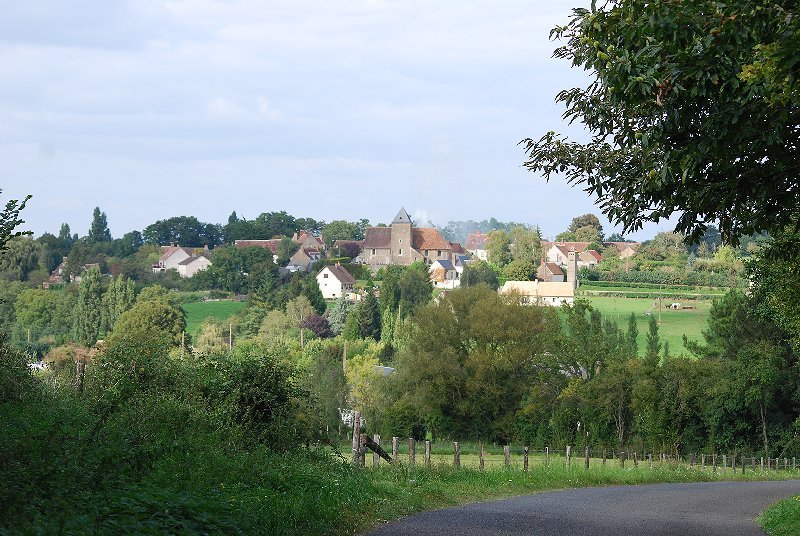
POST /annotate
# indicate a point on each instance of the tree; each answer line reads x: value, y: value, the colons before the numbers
x: 415, y: 288
x: 211, y: 340
x: 19, y: 258
x: 526, y: 243
x: 653, y: 348
x: 120, y: 296
x: 479, y: 272
x: 337, y: 315
x: 318, y: 325
x: 633, y: 335
x: 298, y: 309
x: 520, y: 270
x: 587, y: 220
x: 154, y: 316
x: 186, y: 231
x: 10, y: 220
x: 286, y: 248
x: 88, y: 310
x: 341, y: 230
x: 99, y: 232
x: 368, y: 316
x: 498, y: 246
x: 692, y: 109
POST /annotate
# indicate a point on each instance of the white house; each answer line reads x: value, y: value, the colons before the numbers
x: 541, y: 293
x: 192, y: 265
x: 171, y: 257
x: 335, y: 281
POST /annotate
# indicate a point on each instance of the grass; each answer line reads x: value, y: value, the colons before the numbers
x: 782, y: 518
x: 589, y: 289
x: 197, y: 312
x: 674, y: 323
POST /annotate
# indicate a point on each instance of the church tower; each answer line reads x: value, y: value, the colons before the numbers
x: 401, y: 238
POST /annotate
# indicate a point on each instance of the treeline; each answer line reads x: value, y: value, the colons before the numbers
x: 480, y: 366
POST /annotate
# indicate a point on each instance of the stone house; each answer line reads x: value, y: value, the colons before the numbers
x: 540, y: 292
x: 402, y: 244
x: 550, y: 272
x: 192, y: 265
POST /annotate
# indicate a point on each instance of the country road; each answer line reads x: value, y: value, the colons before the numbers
x: 702, y: 509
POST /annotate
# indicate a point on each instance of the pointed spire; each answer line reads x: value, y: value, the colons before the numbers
x: 402, y: 217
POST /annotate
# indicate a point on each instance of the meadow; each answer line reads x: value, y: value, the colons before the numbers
x: 197, y: 312
x: 673, y: 323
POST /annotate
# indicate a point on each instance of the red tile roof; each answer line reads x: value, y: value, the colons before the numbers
x: 428, y: 238
x: 476, y: 241
x: 457, y: 248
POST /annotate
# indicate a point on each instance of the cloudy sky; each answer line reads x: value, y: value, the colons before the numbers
x: 323, y: 108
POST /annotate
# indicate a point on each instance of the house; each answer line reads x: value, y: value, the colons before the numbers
x: 461, y: 262
x: 557, y: 252
x: 402, y: 244
x: 443, y: 274
x: 271, y: 244
x: 335, y: 281
x: 171, y: 257
x: 56, y: 276
x: 541, y: 293
x: 625, y: 249
x: 303, y: 259
x: 589, y: 258
x: 308, y: 240
x: 192, y: 265
x: 550, y: 272
x: 476, y: 245
x: 186, y: 261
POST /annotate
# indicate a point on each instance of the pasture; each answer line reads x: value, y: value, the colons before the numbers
x: 674, y: 323
x: 197, y: 312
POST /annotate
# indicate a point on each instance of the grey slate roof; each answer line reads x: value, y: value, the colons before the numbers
x: 402, y: 217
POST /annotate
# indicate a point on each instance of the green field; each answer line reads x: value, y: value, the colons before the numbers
x: 673, y: 324
x: 197, y: 312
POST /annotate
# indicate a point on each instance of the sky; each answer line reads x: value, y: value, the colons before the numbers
x: 325, y: 109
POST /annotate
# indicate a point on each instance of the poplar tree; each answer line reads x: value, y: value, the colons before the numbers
x: 88, y: 310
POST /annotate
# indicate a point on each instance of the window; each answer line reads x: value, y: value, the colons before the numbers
x: 324, y: 276
x: 373, y: 251
x: 438, y: 252
x: 400, y: 251
x: 401, y: 240
x: 427, y: 252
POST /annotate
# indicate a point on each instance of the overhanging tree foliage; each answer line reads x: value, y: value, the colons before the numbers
x: 10, y: 220
x: 693, y: 109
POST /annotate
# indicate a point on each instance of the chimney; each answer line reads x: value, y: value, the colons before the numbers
x: 572, y: 268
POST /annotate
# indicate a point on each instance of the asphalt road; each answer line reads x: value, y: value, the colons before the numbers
x: 703, y: 509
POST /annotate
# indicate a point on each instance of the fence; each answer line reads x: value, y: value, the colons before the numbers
x: 475, y: 456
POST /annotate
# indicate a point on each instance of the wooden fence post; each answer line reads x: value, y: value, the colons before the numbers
x: 456, y: 455
x: 794, y: 463
x: 569, y: 454
x: 753, y: 463
x: 724, y: 462
x: 714, y: 462
x: 395, y: 442
x: 376, y: 458
x: 703, y: 462
x: 762, y: 464
x: 507, y: 456
x: 481, y: 463
x: 650, y: 460
x: 635, y: 459
x: 356, y: 461
x: 547, y: 456
x: 427, y: 454
x: 785, y: 464
x: 604, y: 457
x: 411, y: 451
x: 622, y: 458
x: 586, y: 459
x: 691, y: 461
x: 525, y: 450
